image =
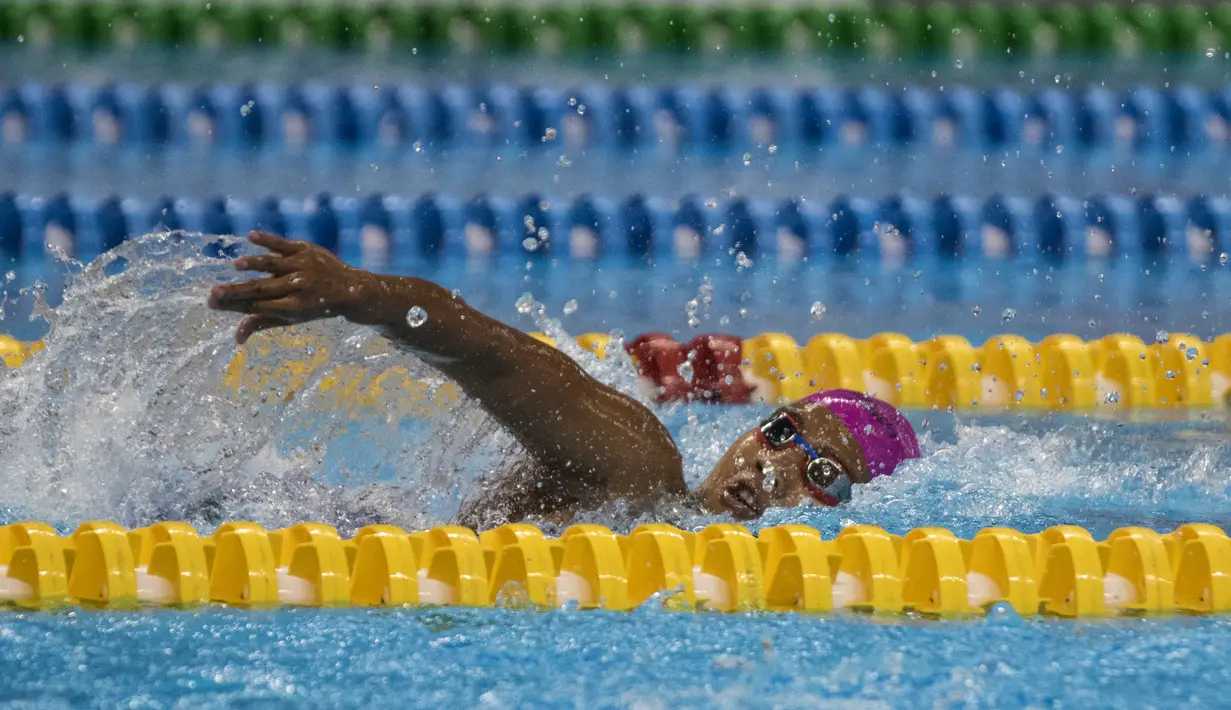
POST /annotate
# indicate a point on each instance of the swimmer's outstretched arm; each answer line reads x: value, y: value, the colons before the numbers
x: 590, y: 441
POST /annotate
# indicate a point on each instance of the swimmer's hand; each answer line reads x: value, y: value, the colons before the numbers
x: 306, y: 282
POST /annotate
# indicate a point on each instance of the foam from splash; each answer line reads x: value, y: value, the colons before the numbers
x: 125, y: 416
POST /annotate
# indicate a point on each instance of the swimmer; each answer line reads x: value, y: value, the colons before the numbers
x: 587, y: 443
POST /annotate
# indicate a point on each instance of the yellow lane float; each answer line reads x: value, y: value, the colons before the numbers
x: 1062, y: 571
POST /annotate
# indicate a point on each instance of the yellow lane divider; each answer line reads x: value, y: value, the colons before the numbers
x: 1061, y: 372
x: 1062, y: 571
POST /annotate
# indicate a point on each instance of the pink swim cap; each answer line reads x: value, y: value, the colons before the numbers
x: 884, y: 435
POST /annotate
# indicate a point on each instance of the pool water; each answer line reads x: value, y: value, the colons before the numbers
x: 96, y: 427
x: 921, y: 297
x: 644, y: 659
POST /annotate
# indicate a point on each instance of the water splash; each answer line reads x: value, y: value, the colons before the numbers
x: 615, y: 369
x: 134, y: 411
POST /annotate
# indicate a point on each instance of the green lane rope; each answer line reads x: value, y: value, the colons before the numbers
x: 906, y: 30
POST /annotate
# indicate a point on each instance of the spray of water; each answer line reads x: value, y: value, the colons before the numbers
x: 137, y: 410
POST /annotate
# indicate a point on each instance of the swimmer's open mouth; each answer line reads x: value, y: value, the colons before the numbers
x: 741, y: 500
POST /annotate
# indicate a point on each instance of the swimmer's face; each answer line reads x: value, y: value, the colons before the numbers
x: 752, y: 477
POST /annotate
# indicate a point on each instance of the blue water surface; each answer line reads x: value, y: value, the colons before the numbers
x: 920, y: 297
x: 644, y: 659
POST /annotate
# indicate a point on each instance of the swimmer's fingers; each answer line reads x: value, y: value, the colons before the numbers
x: 246, y: 295
x: 292, y: 308
x: 254, y: 324
x: 276, y: 244
x: 268, y: 263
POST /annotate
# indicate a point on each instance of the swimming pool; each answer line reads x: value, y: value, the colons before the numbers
x: 124, y: 416
x: 134, y: 348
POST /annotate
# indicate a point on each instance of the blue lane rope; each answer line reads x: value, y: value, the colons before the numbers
x: 1143, y: 228
x: 720, y: 120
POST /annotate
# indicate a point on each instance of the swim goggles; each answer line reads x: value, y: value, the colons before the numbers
x: 825, y: 479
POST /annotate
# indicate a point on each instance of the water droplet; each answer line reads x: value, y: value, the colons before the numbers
x: 525, y: 304
x: 530, y: 244
x: 1169, y: 374
x: 1019, y: 395
x: 770, y: 482
x: 1191, y: 354
x: 706, y: 293
x: 1113, y: 398
x: 549, y: 135
x: 1162, y: 336
x: 1008, y: 315
x: 246, y: 108
x: 832, y: 18
x: 1003, y: 614
x: 10, y: 277
x: 1223, y: 258
x: 773, y: 149
x: 455, y: 292
x: 957, y: 64
x: 685, y: 370
x: 418, y: 147
x: 416, y: 317
x: 742, y: 261
x: 570, y: 307
x: 818, y: 310
x: 1209, y: 52
x: 976, y: 310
